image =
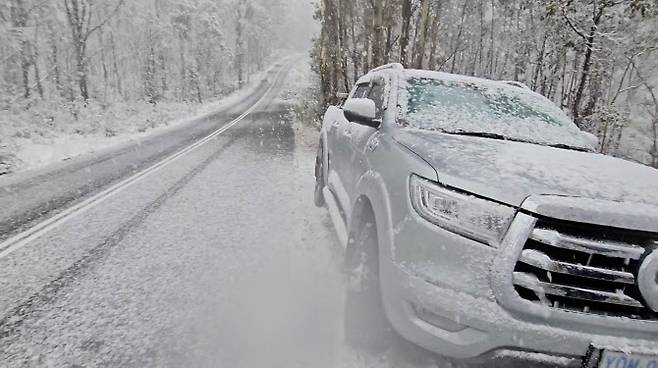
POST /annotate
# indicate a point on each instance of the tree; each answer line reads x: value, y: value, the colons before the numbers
x: 19, y: 18
x: 406, y: 31
x: 134, y: 50
x: 597, y: 11
x: 79, y: 14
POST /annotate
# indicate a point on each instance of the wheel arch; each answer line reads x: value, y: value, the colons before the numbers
x: 372, y: 200
x: 325, y: 155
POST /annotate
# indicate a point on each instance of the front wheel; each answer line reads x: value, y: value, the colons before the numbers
x: 318, y: 196
x: 366, y: 326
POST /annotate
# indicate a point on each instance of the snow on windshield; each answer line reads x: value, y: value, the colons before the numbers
x: 436, y: 101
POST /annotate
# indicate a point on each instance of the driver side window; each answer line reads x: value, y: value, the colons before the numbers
x: 377, y: 95
x: 361, y: 91
x: 374, y: 92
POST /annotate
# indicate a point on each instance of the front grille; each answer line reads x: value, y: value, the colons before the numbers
x: 584, y: 268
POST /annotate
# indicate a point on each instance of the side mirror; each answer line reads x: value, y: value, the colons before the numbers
x: 362, y: 111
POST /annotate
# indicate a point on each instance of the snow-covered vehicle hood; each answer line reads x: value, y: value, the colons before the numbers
x: 510, y: 172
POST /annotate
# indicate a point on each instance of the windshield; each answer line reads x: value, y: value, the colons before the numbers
x: 493, y: 109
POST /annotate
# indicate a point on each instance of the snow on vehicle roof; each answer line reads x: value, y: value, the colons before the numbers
x: 465, y: 79
x: 421, y: 73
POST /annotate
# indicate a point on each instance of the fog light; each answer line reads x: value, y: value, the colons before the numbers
x: 437, y: 321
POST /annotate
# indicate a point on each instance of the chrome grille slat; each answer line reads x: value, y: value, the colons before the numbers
x: 540, y: 260
x: 531, y: 282
x: 586, y: 268
x: 601, y: 247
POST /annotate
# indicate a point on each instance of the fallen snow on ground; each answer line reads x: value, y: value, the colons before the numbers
x: 298, y: 94
x: 47, y: 133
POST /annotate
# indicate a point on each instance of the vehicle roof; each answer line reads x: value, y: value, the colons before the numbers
x: 416, y: 73
x: 420, y: 73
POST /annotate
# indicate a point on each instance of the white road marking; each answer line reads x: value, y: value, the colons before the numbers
x: 20, y: 240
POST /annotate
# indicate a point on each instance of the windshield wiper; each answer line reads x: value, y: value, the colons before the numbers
x: 485, y: 135
x: 573, y: 148
x: 505, y: 138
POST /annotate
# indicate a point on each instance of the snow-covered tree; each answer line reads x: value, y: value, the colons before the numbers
x: 573, y: 52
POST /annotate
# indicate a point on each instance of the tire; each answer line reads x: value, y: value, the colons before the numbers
x: 366, y: 326
x: 318, y: 196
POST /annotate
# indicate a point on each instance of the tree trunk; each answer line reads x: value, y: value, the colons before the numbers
x: 423, y: 34
x: 434, y: 44
x: 478, y: 70
x: 539, y: 65
x: 595, y: 95
x: 406, y: 30
x: 457, y: 41
x: 78, y: 14
x: 101, y: 40
x: 378, y: 33
x: 356, y: 58
x: 37, y: 73
x: 587, y: 65
x: 240, y: 45
x: 162, y: 63
x: 81, y: 69
x: 330, y: 59
x: 54, y: 61
x: 115, y: 66
x: 183, y: 68
x: 149, y: 77
x: 654, y: 127
x: 19, y: 18
x: 493, y: 43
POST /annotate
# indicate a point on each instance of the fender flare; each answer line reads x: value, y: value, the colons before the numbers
x: 325, y: 155
x: 371, y: 189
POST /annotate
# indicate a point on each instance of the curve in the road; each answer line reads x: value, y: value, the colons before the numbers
x: 11, y: 321
x: 23, y: 238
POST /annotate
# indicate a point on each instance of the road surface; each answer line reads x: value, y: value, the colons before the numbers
x: 217, y: 259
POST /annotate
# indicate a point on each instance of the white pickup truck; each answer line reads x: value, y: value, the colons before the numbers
x: 480, y: 223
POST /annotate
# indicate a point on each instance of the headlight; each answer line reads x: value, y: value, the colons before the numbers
x: 464, y: 214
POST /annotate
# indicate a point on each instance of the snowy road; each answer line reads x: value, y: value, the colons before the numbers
x: 28, y: 197
x: 220, y: 259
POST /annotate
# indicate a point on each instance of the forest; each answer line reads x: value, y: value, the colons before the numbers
x: 155, y: 49
x: 64, y: 61
x: 114, y: 67
x: 596, y: 59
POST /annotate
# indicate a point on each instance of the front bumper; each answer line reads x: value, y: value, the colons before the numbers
x: 450, y: 295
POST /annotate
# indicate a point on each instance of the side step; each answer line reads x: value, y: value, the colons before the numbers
x: 336, y: 218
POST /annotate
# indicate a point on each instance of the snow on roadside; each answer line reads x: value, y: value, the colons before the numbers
x: 300, y: 93
x: 48, y: 133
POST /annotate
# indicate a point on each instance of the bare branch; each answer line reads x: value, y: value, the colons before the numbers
x: 573, y: 26
x: 104, y: 22
x: 645, y: 83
